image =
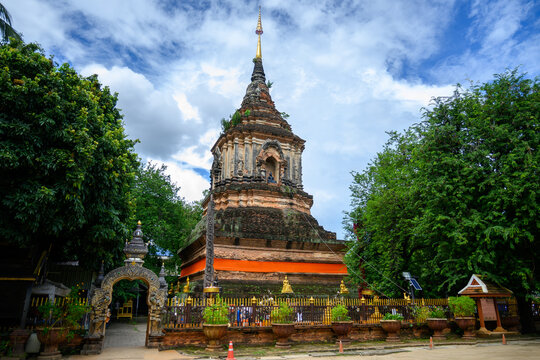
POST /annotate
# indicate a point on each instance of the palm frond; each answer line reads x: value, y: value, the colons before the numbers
x: 5, y: 25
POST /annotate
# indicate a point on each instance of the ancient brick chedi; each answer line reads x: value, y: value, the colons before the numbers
x: 263, y: 228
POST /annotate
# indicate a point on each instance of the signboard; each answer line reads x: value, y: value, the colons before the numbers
x: 488, y: 309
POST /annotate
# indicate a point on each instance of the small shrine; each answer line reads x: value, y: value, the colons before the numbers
x: 486, y: 293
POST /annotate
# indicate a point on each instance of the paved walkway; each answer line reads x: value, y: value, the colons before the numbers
x: 515, y: 350
x: 518, y: 350
x: 125, y: 340
x: 126, y: 333
x: 132, y: 353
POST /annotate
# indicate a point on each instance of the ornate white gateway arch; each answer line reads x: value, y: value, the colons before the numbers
x: 101, y: 295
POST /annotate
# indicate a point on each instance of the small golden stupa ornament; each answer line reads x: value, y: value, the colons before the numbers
x: 287, y: 289
x: 342, y: 288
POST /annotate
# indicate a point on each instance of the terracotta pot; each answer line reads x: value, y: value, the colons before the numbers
x: 51, y: 338
x: 510, y: 323
x: 437, y: 325
x: 283, y: 331
x: 392, y: 328
x: 71, y: 345
x: 342, y: 329
x: 421, y: 331
x: 17, y: 339
x: 214, y: 333
x: 467, y: 324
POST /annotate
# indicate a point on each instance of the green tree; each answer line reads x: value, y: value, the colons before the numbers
x: 166, y: 217
x: 465, y: 199
x: 383, y: 207
x: 5, y: 25
x: 66, y: 166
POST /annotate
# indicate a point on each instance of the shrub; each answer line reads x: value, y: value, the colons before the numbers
x: 340, y: 313
x: 66, y: 313
x: 420, y: 313
x: 233, y: 121
x: 5, y: 348
x: 282, y: 315
x: 437, y: 313
x: 462, y: 306
x: 390, y: 316
x: 217, y: 313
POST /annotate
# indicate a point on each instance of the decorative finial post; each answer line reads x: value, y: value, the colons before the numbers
x: 136, y: 249
x: 259, y: 32
x: 162, y: 281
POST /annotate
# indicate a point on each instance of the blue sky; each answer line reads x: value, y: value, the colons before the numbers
x: 345, y: 71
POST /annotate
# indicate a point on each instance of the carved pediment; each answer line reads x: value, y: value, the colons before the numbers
x: 272, y: 148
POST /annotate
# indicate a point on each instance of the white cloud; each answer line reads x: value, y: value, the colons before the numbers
x: 151, y: 115
x: 191, y: 184
x: 191, y: 157
x: 385, y: 87
x: 345, y: 72
x: 189, y: 112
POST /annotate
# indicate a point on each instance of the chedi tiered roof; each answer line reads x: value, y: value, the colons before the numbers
x: 257, y: 168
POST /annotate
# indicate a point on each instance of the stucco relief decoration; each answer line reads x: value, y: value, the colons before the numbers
x: 241, y: 169
x: 217, y: 164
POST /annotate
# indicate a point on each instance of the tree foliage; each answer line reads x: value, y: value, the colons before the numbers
x: 166, y: 217
x: 456, y: 194
x: 383, y: 207
x: 66, y: 166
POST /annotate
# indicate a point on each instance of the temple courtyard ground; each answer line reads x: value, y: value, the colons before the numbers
x: 515, y: 350
x: 125, y: 341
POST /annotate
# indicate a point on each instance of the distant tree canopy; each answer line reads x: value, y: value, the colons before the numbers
x: 66, y: 166
x: 455, y: 195
x: 167, y: 219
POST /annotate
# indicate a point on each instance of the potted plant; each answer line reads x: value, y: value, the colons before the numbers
x: 464, y: 309
x: 282, y: 325
x: 391, y: 323
x: 420, y: 315
x: 62, y: 322
x: 437, y: 322
x: 216, y: 322
x: 341, y: 323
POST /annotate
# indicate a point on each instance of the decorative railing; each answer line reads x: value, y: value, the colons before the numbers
x: 36, y: 319
x: 252, y: 312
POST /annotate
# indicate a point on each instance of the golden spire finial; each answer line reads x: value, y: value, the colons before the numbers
x: 259, y: 32
x: 139, y: 222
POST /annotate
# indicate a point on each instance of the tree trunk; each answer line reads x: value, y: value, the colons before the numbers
x: 525, y: 315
